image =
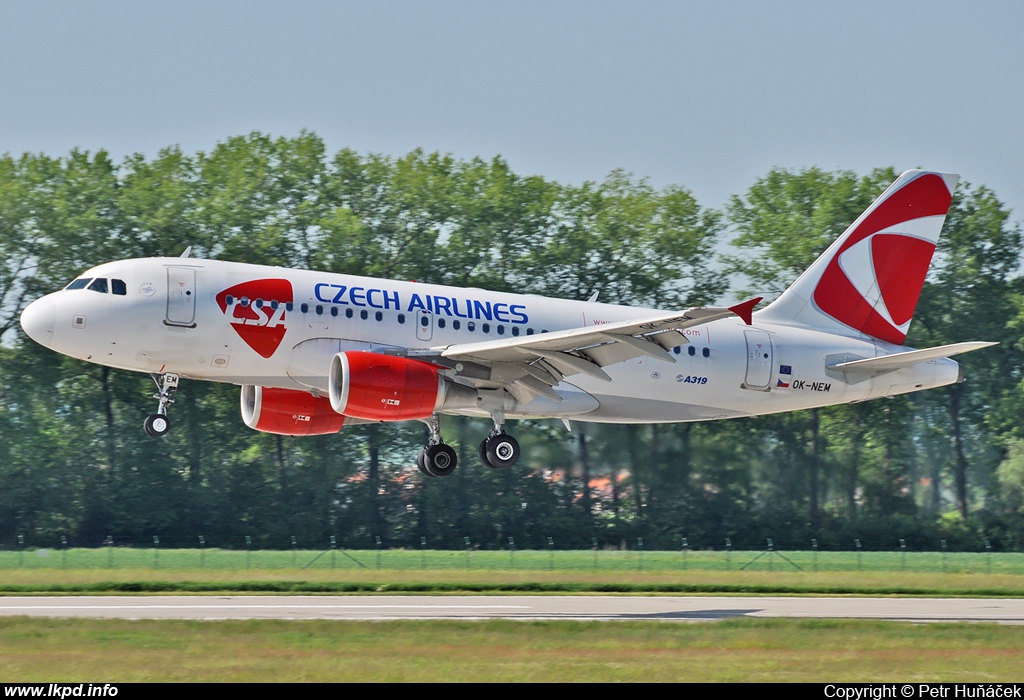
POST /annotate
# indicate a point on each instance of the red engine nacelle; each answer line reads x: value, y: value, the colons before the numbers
x: 384, y: 387
x: 288, y: 412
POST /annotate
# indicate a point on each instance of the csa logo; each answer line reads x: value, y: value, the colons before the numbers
x: 257, y: 312
x: 874, y: 280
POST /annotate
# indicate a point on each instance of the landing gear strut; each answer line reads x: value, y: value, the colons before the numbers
x: 499, y: 450
x: 158, y: 424
x: 437, y: 458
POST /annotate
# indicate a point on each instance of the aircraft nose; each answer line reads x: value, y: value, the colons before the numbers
x: 38, y: 320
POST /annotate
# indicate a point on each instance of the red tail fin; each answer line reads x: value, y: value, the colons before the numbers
x: 869, y: 280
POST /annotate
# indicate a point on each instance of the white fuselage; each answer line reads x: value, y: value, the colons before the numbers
x: 167, y: 317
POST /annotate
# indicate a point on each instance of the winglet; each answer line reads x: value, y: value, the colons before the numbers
x: 745, y: 309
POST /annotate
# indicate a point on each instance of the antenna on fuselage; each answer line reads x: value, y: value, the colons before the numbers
x: 187, y: 253
x: 593, y: 297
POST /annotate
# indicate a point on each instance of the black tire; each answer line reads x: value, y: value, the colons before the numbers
x: 440, y: 460
x: 483, y: 454
x: 156, y: 425
x: 421, y: 462
x: 502, y: 451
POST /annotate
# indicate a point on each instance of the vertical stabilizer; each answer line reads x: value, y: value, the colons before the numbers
x: 869, y: 280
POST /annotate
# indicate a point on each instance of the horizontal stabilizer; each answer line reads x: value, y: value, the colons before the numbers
x: 889, y: 363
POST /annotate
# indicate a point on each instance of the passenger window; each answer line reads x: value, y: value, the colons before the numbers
x: 501, y: 329
x: 319, y: 310
x: 691, y: 350
x: 456, y: 325
x: 470, y: 326
x: 401, y: 318
x: 379, y: 316
x: 440, y: 323
x: 79, y: 283
x: 334, y: 311
x: 348, y: 313
x: 706, y: 352
x: 304, y: 308
x: 289, y: 306
x: 515, y: 330
x: 99, y: 285
x: 364, y: 314
x: 229, y: 300
x: 274, y: 304
x: 118, y: 287
x: 529, y: 331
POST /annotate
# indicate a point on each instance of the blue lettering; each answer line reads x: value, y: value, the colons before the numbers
x: 388, y: 300
x: 358, y: 296
x: 442, y: 304
x: 482, y: 310
x: 341, y: 292
x: 416, y: 303
x: 316, y: 292
x: 369, y: 298
x: 455, y: 309
x: 500, y: 312
x: 520, y: 317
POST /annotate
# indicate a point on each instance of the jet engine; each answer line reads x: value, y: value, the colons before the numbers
x: 288, y: 412
x: 388, y: 388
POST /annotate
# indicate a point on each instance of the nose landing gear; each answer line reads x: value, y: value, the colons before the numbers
x: 158, y: 423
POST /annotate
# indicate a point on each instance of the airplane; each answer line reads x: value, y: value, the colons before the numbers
x: 314, y: 351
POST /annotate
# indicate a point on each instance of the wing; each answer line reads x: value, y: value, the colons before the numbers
x: 528, y: 366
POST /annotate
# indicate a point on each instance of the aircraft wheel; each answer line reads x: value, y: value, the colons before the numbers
x: 421, y: 462
x: 440, y: 460
x: 156, y: 425
x: 483, y: 453
x: 502, y: 451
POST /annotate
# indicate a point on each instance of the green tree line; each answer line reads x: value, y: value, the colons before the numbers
x: 74, y: 461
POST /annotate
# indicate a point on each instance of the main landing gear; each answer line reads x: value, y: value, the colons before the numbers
x: 158, y: 424
x: 498, y: 451
x: 437, y: 458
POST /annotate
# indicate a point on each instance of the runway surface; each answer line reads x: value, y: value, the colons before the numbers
x: 1006, y: 611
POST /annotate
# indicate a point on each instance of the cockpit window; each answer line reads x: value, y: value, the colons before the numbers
x: 79, y: 283
x: 118, y: 287
x: 99, y: 285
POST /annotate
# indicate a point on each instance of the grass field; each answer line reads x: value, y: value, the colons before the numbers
x: 99, y: 651
x: 43, y: 650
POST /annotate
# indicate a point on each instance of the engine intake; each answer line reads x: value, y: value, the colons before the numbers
x: 288, y: 412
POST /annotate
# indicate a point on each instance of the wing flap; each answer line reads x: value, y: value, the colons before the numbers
x: 574, y: 340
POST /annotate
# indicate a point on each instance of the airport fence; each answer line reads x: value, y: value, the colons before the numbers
x: 157, y: 554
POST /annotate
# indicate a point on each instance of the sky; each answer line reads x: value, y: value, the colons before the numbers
x: 706, y: 95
